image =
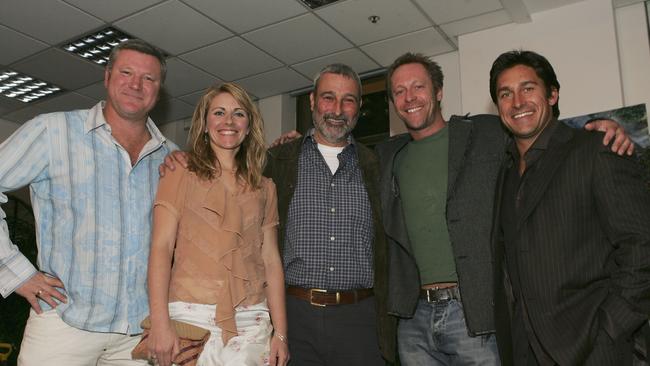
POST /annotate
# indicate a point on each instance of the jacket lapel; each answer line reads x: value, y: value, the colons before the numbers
x: 558, y: 148
x: 393, y: 217
x: 459, y: 136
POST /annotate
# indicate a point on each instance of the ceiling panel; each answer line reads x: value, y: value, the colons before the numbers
x: 274, y: 82
x: 169, y: 110
x: 354, y: 58
x: 298, y: 39
x: 8, y: 105
x: 51, y: 21
x: 535, y: 6
x: 395, y: 17
x: 445, y: 11
x: 15, y: 45
x: 23, y: 115
x: 61, y: 68
x: 153, y: 25
x: 65, y: 102
x: 245, y: 15
x: 193, y: 98
x: 183, y: 78
x: 476, y: 23
x: 113, y: 9
x: 428, y: 41
x: 95, y: 91
x: 232, y: 59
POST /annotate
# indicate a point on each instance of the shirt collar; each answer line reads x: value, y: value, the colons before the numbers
x: 96, y: 119
x: 540, y: 144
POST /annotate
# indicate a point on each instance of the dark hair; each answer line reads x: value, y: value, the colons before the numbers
x: 432, y: 67
x: 339, y: 69
x: 537, y: 62
x: 142, y: 47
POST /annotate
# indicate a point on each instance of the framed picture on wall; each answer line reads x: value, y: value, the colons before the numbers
x: 373, y: 124
x: 633, y: 118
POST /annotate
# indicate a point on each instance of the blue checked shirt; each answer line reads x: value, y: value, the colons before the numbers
x: 329, y: 234
x: 93, y: 215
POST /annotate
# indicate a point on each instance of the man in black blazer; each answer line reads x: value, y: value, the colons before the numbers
x: 572, y: 231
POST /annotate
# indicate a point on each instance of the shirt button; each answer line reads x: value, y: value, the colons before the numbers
x: 332, y: 238
x: 331, y: 269
x: 332, y: 209
x: 332, y: 184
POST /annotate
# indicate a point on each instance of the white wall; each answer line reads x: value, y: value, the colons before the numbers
x: 279, y: 113
x: 579, y: 40
x: 634, y: 53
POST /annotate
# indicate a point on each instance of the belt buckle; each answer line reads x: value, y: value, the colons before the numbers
x: 311, y: 297
x: 429, y: 293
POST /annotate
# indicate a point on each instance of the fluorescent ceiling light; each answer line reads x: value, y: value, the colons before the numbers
x: 25, y: 88
x: 97, y: 46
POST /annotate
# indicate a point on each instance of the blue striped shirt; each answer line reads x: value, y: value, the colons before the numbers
x: 93, y: 215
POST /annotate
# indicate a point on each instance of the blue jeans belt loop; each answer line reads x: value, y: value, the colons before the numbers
x: 440, y: 294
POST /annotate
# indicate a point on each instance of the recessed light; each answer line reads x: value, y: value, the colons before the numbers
x: 24, y: 87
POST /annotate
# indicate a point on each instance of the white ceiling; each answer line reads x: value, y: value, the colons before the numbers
x: 268, y: 46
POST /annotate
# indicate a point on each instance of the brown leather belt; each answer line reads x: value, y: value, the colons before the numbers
x: 440, y: 294
x: 318, y: 297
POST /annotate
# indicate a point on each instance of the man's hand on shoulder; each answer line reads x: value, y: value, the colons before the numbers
x: 622, y: 144
x: 286, y: 138
x: 174, y: 157
x: 43, y: 287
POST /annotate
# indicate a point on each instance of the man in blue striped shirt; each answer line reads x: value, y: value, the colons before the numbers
x: 93, y: 177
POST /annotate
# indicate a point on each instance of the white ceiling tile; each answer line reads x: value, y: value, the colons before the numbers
x: 113, y: 9
x: 15, y: 46
x: 193, y: 98
x: 445, y: 11
x: 232, y: 59
x: 620, y: 3
x: 23, y: 115
x: 96, y: 91
x: 169, y: 110
x: 51, y: 21
x: 61, y: 68
x: 66, y: 102
x: 395, y: 17
x: 298, y: 39
x: 535, y: 6
x: 193, y: 29
x: 428, y: 41
x: 8, y: 105
x: 274, y: 82
x: 352, y: 57
x: 476, y: 23
x: 183, y: 78
x: 244, y: 15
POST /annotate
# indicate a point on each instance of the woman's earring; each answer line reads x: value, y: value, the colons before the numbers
x: 206, y: 139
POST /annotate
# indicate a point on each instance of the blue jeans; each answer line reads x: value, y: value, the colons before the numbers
x: 437, y: 335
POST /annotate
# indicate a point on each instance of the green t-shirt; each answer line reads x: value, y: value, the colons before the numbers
x: 421, y: 170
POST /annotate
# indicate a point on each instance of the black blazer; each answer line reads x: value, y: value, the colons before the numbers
x: 583, y: 248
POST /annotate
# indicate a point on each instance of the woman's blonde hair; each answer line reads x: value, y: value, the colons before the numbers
x: 249, y: 160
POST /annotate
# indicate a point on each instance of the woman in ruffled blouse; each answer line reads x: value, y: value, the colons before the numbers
x: 214, y: 259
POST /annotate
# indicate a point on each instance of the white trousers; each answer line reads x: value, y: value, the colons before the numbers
x: 251, y: 347
x: 48, y: 340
